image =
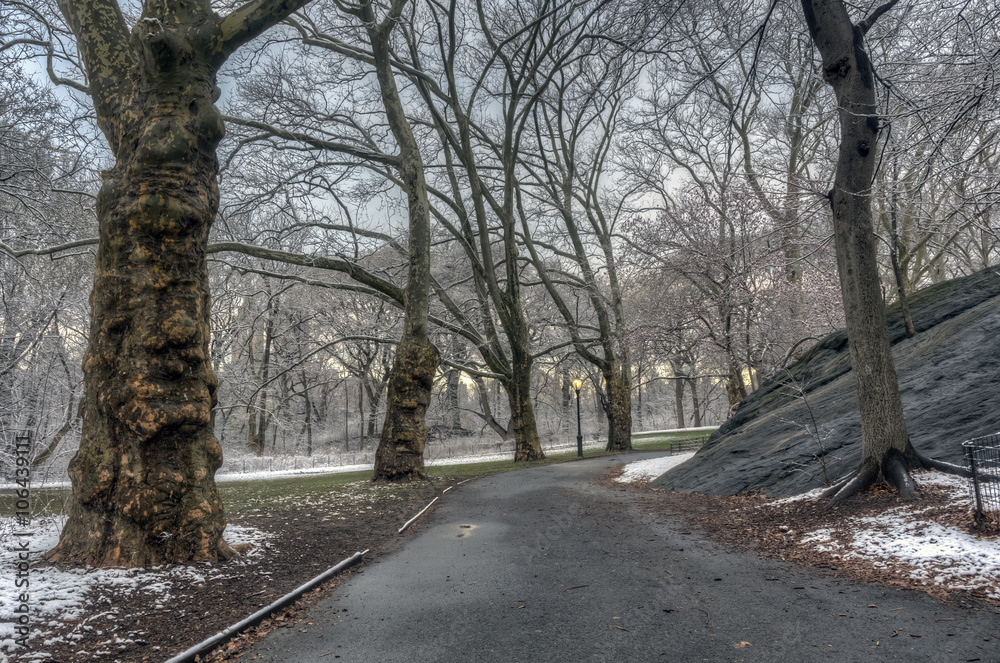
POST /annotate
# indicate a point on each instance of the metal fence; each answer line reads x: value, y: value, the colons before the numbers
x: 982, y: 455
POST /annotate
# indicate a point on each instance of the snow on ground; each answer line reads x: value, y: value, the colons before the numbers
x: 909, y: 543
x: 644, y: 470
x: 62, y: 595
x: 901, y: 539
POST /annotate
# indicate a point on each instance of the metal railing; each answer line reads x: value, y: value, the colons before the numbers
x: 982, y: 455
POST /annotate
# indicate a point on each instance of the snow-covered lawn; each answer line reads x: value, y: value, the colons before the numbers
x: 902, y: 539
x: 58, y: 596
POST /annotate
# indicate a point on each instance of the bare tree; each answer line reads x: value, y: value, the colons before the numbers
x: 886, y: 452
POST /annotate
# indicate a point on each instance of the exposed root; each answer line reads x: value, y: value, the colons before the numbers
x: 897, y: 474
x: 835, y: 488
x: 940, y: 466
x: 412, y: 475
x: 226, y: 551
x: 894, y: 472
x: 951, y: 468
x: 864, y: 478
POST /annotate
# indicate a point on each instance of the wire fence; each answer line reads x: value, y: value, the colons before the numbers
x: 982, y: 455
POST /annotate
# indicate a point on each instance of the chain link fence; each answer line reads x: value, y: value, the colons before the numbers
x: 982, y: 455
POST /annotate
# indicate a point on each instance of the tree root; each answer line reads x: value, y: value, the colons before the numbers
x: 898, y: 475
x: 226, y: 551
x: 895, y: 472
x: 837, y: 486
x: 940, y: 466
x: 859, y: 481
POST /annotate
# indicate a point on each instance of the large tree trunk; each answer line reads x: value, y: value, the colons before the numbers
x: 527, y: 445
x: 886, y: 452
x: 143, y: 479
x: 400, y: 453
x: 619, y: 408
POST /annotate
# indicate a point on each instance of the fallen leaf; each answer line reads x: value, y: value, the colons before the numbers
x: 742, y: 644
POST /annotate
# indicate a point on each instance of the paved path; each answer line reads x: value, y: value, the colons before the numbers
x: 546, y: 565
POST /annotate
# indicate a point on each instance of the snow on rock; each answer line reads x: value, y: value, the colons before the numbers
x: 644, y: 470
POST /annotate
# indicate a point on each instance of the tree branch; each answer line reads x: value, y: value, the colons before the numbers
x: 103, y: 39
x: 338, y: 265
x: 248, y: 22
x: 867, y: 24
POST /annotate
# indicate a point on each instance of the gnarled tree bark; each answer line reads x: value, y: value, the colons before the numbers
x: 143, y: 479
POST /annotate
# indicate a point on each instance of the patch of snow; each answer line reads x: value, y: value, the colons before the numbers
x: 904, y: 540
x: 811, y: 495
x: 644, y: 470
x: 56, y: 596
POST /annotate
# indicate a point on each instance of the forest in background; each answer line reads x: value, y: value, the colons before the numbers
x: 646, y: 209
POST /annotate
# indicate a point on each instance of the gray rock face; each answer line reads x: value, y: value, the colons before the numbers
x: 949, y: 378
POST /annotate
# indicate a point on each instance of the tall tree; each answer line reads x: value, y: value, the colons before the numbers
x: 143, y: 479
x: 400, y: 453
x: 886, y: 452
x: 575, y: 127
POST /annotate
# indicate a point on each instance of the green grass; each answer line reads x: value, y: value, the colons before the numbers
x: 252, y: 495
x: 44, y: 502
x: 662, y: 441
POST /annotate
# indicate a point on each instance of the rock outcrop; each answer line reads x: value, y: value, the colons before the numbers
x: 949, y: 378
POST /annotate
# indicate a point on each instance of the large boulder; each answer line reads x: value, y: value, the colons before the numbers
x: 949, y: 379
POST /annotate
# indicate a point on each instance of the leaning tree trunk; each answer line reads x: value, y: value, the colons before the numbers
x: 143, y: 479
x: 886, y: 452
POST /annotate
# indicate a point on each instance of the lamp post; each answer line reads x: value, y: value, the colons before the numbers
x: 578, y: 384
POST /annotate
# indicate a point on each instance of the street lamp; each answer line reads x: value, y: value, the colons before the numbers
x: 578, y: 384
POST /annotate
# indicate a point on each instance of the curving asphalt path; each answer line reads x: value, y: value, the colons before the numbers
x: 547, y: 565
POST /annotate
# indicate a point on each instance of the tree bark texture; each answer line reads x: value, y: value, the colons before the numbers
x: 143, y: 479
x: 848, y: 70
x: 527, y: 444
x: 619, y: 408
x: 400, y: 453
